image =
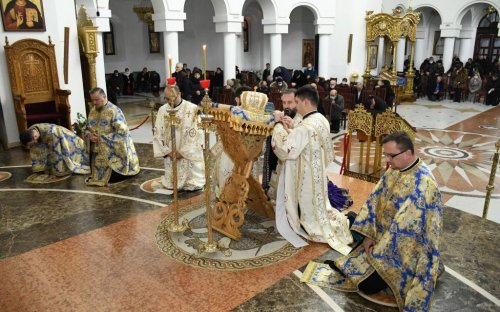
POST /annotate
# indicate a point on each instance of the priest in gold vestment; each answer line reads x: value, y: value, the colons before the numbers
x: 303, y: 210
x: 401, y: 223
x: 113, y: 155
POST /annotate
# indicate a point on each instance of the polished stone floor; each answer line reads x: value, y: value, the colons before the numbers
x: 68, y: 247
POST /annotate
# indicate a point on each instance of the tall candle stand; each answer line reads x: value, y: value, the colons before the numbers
x: 206, y: 122
x: 174, y: 226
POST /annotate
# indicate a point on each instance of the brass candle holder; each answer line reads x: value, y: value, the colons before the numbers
x: 206, y: 122
x: 491, y: 182
x: 174, y: 226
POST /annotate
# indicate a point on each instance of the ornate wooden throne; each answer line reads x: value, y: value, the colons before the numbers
x: 35, y: 84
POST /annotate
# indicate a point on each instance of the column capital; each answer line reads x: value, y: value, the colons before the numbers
x: 324, y: 26
x: 450, y: 30
x: 276, y: 26
x: 467, y: 33
x: 169, y: 21
x: 228, y: 23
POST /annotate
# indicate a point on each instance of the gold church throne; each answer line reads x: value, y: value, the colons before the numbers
x: 35, y: 84
x: 243, y: 131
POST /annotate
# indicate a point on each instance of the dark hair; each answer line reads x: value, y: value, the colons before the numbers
x: 98, y: 90
x: 307, y: 92
x: 240, y: 90
x: 403, y: 141
x: 289, y: 91
x: 26, y: 136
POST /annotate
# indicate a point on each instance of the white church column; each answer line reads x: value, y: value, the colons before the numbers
x: 275, y: 29
x: 323, y: 56
x: 170, y: 27
x: 171, y: 48
x: 466, y: 44
x: 275, y: 41
x: 400, y: 56
x: 100, y: 70
x: 229, y: 26
x: 229, y: 55
x: 449, y: 46
x: 449, y: 32
x: 324, y: 29
x: 102, y: 23
x: 420, y: 46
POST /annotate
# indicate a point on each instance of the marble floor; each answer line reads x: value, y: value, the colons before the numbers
x: 68, y: 247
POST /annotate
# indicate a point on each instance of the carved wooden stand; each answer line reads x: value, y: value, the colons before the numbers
x: 243, y: 144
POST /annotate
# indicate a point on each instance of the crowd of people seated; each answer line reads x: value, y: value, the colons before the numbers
x: 476, y: 80
x: 127, y: 83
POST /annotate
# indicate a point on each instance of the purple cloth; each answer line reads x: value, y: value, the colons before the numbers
x: 339, y: 197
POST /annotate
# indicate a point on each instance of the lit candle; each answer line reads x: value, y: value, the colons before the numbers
x: 205, y: 62
x: 169, y: 65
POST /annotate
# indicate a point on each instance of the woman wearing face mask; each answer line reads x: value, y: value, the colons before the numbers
x: 279, y: 84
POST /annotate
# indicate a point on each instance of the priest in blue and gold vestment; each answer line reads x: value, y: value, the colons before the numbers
x: 113, y: 155
x: 55, y: 150
x: 400, y: 228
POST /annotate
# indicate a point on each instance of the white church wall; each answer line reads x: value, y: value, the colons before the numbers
x: 253, y: 59
x: 301, y: 27
x: 132, y: 42
x: 347, y: 23
x: 58, y: 14
x: 199, y: 29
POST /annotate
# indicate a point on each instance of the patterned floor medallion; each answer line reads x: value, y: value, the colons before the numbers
x: 4, y: 175
x: 43, y: 178
x: 259, y: 246
x: 460, y: 161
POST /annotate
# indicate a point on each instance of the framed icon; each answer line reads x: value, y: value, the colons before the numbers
x: 22, y: 15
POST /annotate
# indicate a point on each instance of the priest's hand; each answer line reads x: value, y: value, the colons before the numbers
x: 288, y: 122
x: 278, y: 115
x: 368, y: 244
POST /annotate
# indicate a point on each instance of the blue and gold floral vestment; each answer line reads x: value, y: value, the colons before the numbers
x: 403, y: 215
x: 59, y: 151
x: 115, y: 150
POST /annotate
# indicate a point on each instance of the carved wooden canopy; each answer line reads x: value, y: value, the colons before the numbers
x: 393, y: 26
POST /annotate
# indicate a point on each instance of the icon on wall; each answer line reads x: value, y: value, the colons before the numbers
x: 22, y: 15
x: 308, y: 52
x: 154, y: 42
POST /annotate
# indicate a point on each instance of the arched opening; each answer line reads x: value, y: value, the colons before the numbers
x: 487, y: 46
x: 301, y: 40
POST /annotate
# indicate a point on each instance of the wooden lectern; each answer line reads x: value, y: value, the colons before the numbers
x: 243, y: 131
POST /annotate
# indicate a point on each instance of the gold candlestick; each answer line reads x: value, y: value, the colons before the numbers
x: 491, y: 183
x: 206, y: 123
x: 174, y: 226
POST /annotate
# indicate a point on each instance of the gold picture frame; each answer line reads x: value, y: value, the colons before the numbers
x: 373, y: 56
x: 308, y: 52
x: 154, y: 42
x: 31, y: 17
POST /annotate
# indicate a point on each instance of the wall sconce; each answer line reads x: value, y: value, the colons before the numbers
x: 145, y: 12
